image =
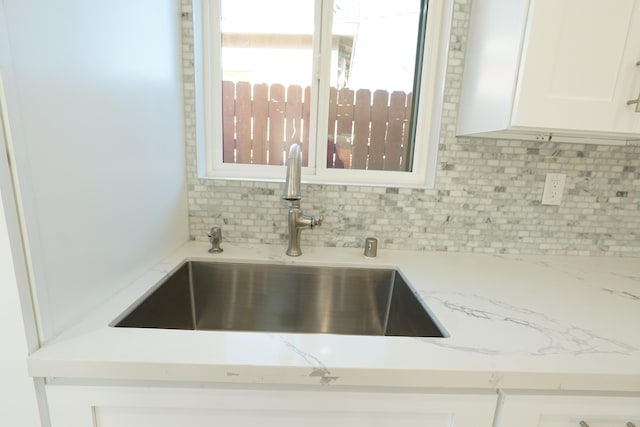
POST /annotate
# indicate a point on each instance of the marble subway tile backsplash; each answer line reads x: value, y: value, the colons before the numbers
x: 486, y: 198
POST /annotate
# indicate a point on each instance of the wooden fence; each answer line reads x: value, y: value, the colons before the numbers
x: 365, y: 130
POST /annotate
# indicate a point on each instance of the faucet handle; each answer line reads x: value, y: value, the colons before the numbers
x: 317, y: 222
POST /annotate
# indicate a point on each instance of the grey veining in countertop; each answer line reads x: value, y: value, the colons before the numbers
x: 546, y: 334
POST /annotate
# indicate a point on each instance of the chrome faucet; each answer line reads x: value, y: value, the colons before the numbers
x: 296, y: 220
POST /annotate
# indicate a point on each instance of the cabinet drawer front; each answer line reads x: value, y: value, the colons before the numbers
x: 89, y: 406
x: 161, y: 417
x: 568, y: 411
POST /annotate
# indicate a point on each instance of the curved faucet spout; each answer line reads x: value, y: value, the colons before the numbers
x: 297, y: 221
x: 294, y: 171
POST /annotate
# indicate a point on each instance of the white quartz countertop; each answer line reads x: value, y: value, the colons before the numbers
x: 525, y: 322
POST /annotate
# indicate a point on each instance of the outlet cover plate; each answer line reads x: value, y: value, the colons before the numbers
x: 553, y: 189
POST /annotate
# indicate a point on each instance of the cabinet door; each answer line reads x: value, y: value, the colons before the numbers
x: 568, y: 411
x: 82, y: 406
x: 579, y: 67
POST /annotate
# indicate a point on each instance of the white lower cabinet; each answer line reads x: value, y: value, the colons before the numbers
x: 116, y: 406
x: 528, y: 410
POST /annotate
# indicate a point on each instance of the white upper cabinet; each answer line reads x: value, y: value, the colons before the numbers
x: 559, y: 68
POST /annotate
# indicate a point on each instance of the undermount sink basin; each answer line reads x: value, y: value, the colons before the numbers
x: 283, y: 298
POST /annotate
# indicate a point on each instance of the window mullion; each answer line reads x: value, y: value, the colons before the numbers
x: 212, y: 84
x: 321, y: 81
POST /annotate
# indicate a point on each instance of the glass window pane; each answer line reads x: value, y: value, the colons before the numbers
x: 373, y: 62
x: 266, y: 71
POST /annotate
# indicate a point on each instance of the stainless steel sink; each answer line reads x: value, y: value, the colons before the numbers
x: 283, y: 298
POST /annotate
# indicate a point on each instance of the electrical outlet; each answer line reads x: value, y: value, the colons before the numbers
x: 553, y: 189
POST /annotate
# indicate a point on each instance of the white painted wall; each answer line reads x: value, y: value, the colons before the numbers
x: 18, y: 403
x: 18, y: 395
x: 95, y: 106
x: 21, y: 397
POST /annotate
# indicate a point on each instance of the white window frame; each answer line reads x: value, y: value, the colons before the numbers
x: 208, y: 96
